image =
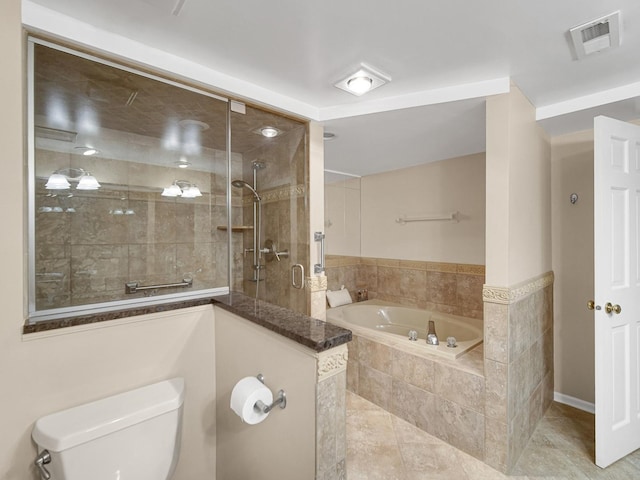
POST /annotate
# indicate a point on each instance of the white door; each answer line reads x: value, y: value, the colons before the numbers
x: 617, y: 288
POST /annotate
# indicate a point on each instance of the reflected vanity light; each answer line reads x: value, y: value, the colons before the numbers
x: 172, y: 191
x: 191, y: 192
x: 59, y: 180
x: 182, y: 188
x: 88, y: 182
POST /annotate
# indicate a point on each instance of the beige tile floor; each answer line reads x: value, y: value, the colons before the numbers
x: 382, y: 446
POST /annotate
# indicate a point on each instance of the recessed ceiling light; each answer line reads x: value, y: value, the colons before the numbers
x: 183, y: 163
x: 188, y: 122
x: 360, y: 85
x: 269, y: 132
x: 88, y: 151
x: 363, y: 80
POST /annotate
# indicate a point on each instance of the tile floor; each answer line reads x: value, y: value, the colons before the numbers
x: 382, y: 446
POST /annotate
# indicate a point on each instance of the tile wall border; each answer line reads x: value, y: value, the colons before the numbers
x: 332, y: 362
x: 275, y: 195
x: 510, y: 295
x: 333, y: 261
x: 316, y: 283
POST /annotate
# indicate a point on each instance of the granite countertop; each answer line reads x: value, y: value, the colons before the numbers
x: 310, y: 332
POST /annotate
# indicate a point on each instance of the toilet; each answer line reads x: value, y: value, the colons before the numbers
x: 134, y: 435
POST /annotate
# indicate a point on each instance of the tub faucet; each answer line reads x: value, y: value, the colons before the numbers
x: 432, y: 338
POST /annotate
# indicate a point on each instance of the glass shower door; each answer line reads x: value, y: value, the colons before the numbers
x: 269, y: 206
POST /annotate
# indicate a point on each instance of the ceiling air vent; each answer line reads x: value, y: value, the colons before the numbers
x: 597, y: 35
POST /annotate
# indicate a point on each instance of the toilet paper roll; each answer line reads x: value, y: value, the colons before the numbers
x: 244, y: 396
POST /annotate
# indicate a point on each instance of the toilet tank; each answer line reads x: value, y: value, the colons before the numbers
x: 134, y: 435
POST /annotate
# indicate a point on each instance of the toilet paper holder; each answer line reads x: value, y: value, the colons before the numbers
x: 280, y: 400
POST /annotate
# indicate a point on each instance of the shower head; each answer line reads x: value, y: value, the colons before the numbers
x: 243, y: 184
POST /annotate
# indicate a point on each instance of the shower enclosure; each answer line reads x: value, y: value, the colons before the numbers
x: 135, y: 180
x: 270, y: 206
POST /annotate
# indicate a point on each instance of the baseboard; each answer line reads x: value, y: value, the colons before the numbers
x: 574, y: 402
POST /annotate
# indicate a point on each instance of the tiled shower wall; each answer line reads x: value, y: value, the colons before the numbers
x: 282, y: 187
x: 444, y: 287
x: 87, y: 255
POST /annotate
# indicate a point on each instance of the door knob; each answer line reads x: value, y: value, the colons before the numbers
x: 612, y: 308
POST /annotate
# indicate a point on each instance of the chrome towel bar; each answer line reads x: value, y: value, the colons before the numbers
x: 134, y: 287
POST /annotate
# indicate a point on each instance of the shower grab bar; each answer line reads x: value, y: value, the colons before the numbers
x: 134, y: 287
x: 453, y: 216
x: 319, y: 237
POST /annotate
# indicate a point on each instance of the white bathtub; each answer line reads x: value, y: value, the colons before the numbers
x: 390, y: 324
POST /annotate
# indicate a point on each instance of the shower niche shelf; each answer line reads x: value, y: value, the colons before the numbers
x: 236, y: 228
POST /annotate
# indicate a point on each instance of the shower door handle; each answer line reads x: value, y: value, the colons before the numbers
x: 294, y: 283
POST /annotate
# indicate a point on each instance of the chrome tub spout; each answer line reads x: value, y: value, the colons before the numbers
x: 432, y: 338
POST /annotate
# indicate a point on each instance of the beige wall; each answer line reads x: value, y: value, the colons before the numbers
x: 518, y: 294
x: 50, y: 373
x: 47, y: 374
x: 518, y: 192
x: 342, y: 217
x: 282, y: 446
x: 435, y: 188
x: 572, y: 172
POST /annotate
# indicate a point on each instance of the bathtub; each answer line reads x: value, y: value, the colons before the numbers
x: 390, y: 324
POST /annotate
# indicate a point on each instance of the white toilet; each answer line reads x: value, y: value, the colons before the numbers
x: 131, y: 436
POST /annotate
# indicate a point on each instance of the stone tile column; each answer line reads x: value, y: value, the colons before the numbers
x: 331, y: 414
x: 518, y: 366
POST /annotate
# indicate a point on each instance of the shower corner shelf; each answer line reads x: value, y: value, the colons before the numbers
x: 236, y: 228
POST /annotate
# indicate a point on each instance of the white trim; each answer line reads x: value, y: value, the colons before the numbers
x: 574, y: 402
x: 417, y: 99
x: 116, y: 305
x: 40, y: 19
x: 588, y: 101
x: 37, y: 18
x: 56, y: 332
x: 342, y: 173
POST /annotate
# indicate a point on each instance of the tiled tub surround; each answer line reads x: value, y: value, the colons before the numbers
x: 486, y: 403
x: 444, y: 287
x: 442, y: 397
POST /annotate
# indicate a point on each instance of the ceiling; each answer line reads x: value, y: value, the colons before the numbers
x: 444, y: 58
x: 103, y: 97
